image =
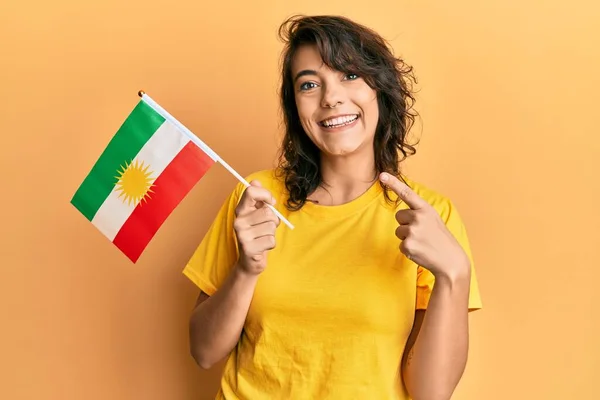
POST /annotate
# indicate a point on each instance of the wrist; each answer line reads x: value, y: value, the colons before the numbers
x: 457, y: 273
x: 243, y: 275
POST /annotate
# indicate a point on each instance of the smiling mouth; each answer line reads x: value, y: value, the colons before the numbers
x: 340, y: 121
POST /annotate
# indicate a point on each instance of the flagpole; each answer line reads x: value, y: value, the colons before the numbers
x: 204, y: 147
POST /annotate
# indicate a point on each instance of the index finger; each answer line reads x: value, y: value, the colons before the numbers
x: 253, y: 194
x: 413, y: 200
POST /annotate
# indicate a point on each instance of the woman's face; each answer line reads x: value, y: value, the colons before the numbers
x: 338, y: 111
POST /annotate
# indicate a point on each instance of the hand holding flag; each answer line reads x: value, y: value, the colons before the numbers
x: 148, y: 167
x: 255, y: 227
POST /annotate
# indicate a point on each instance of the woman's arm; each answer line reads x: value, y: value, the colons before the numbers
x: 437, y: 348
x: 434, y: 364
x: 216, y: 322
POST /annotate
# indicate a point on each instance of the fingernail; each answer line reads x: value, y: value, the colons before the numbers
x: 384, y: 177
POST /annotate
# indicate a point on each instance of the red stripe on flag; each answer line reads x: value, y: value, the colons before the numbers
x: 177, y: 179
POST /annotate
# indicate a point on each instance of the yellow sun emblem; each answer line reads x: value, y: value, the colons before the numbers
x: 134, y: 182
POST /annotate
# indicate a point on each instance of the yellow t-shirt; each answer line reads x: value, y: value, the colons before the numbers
x: 332, y: 311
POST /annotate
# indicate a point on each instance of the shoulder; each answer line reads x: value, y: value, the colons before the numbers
x: 265, y: 176
x: 439, y: 201
x: 270, y: 179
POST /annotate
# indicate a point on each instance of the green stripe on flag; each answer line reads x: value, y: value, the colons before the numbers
x: 139, y: 126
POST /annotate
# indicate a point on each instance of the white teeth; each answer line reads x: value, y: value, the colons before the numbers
x: 339, y: 121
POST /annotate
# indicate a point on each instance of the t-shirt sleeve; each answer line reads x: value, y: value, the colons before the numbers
x: 425, y: 279
x: 216, y: 254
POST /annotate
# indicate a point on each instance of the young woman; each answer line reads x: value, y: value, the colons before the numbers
x: 343, y: 306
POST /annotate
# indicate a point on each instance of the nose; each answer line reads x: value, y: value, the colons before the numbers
x: 333, y: 95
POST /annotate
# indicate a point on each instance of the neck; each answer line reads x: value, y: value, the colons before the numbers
x: 344, y: 179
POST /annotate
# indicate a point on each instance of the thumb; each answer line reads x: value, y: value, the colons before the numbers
x: 258, y: 203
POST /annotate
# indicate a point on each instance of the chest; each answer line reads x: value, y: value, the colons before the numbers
x: 347, y: 275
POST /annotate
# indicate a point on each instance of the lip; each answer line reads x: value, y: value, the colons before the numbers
x: 342, y: 127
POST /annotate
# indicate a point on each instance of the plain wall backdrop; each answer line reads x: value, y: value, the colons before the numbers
x: 508, y: 97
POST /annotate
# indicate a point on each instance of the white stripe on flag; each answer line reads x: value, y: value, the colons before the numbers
x: 157, y: 153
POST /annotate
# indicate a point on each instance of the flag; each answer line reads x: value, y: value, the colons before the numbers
x: 147, y: 168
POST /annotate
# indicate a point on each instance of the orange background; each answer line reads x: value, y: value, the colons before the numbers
x: 508, y: 99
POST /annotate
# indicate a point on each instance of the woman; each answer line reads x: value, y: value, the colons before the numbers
x: 343, y: 306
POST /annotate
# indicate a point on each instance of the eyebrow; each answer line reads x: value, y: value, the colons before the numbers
x: 304, y: 72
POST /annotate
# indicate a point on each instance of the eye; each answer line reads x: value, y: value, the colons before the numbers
x: 351, y: 77
x: 308, y: 85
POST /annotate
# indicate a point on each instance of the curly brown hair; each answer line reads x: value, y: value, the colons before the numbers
x: 348, y: 47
